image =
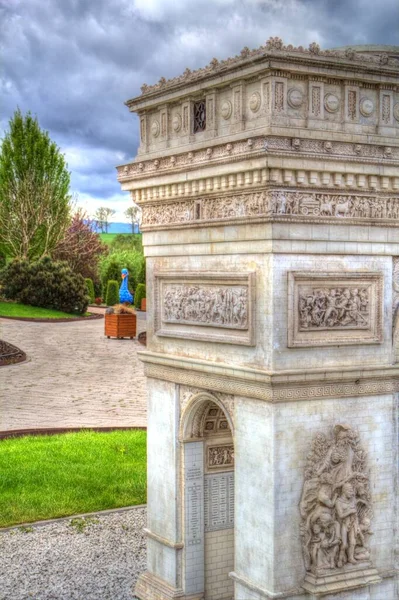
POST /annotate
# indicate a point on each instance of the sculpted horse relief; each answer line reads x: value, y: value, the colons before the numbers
x: 335, y: 506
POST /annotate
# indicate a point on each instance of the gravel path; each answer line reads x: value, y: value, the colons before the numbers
x: 74, y: 377
x: 67, y: 561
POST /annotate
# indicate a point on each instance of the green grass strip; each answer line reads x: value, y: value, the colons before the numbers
x: 13, y: 309
x: 44, y: 477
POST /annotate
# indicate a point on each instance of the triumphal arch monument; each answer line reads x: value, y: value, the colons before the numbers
x: 269, y: 188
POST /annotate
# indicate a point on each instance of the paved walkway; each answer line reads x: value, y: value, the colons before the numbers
x: 74, y: 377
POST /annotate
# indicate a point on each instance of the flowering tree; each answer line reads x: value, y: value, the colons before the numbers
x: 81, y: 246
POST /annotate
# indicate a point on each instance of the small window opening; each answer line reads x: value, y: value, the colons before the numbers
x: 199, y: 116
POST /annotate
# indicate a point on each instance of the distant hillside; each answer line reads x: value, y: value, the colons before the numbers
x: 120, y: 228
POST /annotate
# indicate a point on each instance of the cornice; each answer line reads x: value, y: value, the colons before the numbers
x: 274, y: 51
x: 274, y: 387
x: 259, y: 147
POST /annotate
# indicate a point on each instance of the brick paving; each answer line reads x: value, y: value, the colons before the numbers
x: 74, y: 377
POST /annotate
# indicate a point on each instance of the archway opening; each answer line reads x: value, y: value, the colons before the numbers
x: 208, y: 500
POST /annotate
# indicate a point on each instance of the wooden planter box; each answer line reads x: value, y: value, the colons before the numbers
x: 144, y: 304
x: 120, y: 326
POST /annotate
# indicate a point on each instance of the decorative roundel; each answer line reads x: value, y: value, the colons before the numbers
x: 226, y: 110
x: 396, y: 111
x: 176, y: 123
x: 155, y: 129
x: 295, y: 98
x: 366, y: 107
x: 331, y: 103
x: 254, y: 102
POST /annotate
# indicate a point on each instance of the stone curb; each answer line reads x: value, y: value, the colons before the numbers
x: 57, y: 430
x: 92, y: 317
x: 98, y: 513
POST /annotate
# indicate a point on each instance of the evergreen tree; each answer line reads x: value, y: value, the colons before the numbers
x: 34, y: 190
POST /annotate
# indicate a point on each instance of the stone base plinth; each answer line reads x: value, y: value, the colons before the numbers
x: 340, y: 580
x: 150, y: 587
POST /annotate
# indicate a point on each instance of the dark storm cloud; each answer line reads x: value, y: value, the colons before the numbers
x: 73, y: 63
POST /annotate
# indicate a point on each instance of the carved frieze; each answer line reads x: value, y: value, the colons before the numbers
x: 209, y: 306
x: 274, y: 204
x: 334, y: 308
x: 336, y: 510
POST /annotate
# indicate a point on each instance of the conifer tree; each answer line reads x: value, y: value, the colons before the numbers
x: 34, y: 190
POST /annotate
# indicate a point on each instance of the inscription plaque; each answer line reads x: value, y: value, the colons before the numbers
x: 219, y: 501
x: 194, y: 493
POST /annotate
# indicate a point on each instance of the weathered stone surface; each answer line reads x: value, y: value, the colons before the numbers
x: 294, y: 182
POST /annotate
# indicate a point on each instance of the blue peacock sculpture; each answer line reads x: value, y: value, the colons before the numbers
x: 124, y: 294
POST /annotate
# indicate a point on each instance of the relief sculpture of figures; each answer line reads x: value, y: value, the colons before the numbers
x: 220, y: 456
x: 336, y: 307
x: 275, y: 204
x: 222, y: 306
x: 335, y: 506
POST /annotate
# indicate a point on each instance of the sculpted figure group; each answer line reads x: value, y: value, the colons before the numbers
x: 220, y: 456
x: 275, y: 203
x: 213, y: 305
x: 335, y: 506
x: 335, y: 307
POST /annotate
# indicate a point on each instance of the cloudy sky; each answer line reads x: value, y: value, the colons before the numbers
x: 73, y: 63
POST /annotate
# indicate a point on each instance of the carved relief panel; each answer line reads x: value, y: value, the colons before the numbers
x: 334, y: 309
x: 336, y: 512
x: 209, y: 306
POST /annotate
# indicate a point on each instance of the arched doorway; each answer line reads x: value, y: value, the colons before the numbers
x: 208, y: 511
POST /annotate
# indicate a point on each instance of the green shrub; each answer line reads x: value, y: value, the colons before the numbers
x: 45, y: 283
x: 90, y: 289
x: 112, y: 293
x: 139, y: 295
x: 110, y: 267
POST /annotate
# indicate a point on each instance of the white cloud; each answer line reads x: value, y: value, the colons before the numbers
x: 73, y: 64
x: 118, y: 202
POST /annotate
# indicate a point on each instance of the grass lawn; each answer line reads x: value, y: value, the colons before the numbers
x: 108, y: 238
x: 59, y: 475
x: 13, y: 309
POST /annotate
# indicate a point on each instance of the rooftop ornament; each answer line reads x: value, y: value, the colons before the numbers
x: 272, y: 45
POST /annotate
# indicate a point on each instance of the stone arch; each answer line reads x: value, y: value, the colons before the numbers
x: 194, y: 415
